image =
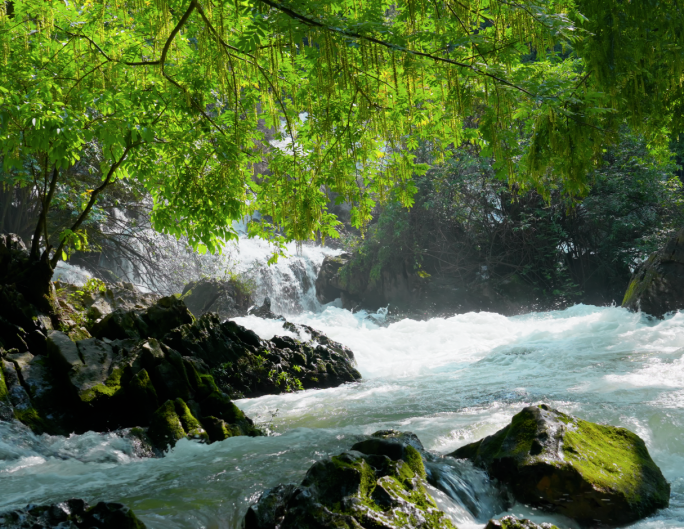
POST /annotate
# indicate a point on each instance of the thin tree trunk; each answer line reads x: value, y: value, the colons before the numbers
x: 35, y: 244
x: 91, y: 203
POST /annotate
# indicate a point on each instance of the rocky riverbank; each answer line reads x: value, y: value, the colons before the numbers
x: 110, y: 358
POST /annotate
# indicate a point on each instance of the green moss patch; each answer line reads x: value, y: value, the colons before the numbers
x: 614, y: 460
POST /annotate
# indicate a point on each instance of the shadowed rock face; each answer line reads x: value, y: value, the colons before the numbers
x: 586, y: 471
x: 657, y: 285
x: 225, y: 298
x: 380, y: 483
x: 72, y: 514
x: 328, y: 287
x: 244, y: 365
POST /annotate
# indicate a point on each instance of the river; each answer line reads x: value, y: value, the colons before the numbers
x: 451, y: 381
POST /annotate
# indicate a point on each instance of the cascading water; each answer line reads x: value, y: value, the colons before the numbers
x: 451, y: 381
x: 289, y: 283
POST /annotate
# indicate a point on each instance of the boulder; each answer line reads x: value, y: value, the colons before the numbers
x: 114, y: 385
x: 228, y: 299
x: 19, y: 399
x: 264, y: 311
x: 657, y: 284
x: 586, y: 471
x: 72, y: 514
x: 353, y: 490
x: 511, y: 522
x: 96, y: 303
x: 328, y: 286
x: 153, y: 322
x: 243, y: 365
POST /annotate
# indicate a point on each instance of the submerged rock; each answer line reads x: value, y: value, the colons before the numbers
x: 657, y: 284
x: 72, y: 514
x: 511, y: 522
x: 228, y: 299
x: 354, y: 490
x: 586, y: 471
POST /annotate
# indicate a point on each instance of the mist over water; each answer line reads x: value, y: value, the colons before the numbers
x: 449, y: 380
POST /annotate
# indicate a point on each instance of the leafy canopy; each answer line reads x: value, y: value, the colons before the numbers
x: 190, y: 96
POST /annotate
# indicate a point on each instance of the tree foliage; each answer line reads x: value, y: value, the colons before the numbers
x: 189, y: 96
x: 468, y: 230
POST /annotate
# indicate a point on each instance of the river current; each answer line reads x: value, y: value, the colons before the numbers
x: 451, y: 381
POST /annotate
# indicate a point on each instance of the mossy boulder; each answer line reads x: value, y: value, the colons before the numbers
x: 511, y: 522
x: 657, y: 284
x: 351, y: 490
x: 72, y: 514
x: 586, y: 471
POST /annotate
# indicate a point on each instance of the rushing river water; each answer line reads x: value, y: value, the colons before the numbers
x: 450, y: 381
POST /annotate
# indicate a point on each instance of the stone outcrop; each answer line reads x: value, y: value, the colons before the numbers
x: 511, y: 522
x: 110, y: 385
x: 138, y: 324
x: 328, y: 281
x: 72, y: 514
x: 148, y: 367
x: 96, y: 303
x: 381, y: 482
x: 657, y: 285
x: 589, y: 472
x: 228, y: 299
x: 243, y: 365
x: 264, y: 311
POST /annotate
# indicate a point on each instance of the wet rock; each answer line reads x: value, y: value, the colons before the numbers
x: 657, y: 284
x: 138, y: 324
x: 245, y: 366
x: 19, y: 399
x: 586, y: 471
x: 511, y: 522
x: 6, y: 411
x: 328, y: 287
x: 228, y: 299
x: 72, y: 514
x: 265, y: 311
x: 352, y: 490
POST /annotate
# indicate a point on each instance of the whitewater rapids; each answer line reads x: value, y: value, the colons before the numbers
x: 451, y: 381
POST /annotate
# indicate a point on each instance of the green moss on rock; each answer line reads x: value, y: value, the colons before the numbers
x: 351, y: 490
x: 511, y: 522
x: 583, y: 470
x: 166, y: 428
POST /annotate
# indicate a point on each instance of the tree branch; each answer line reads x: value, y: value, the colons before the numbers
x: 91, y: 203
x: 351, y: 34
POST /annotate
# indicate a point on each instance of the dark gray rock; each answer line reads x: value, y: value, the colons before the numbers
x: 657, y: 285
x: 328, y: 287
x: 72, y: 514
x: 228, y: 299
x: 138, y: 324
